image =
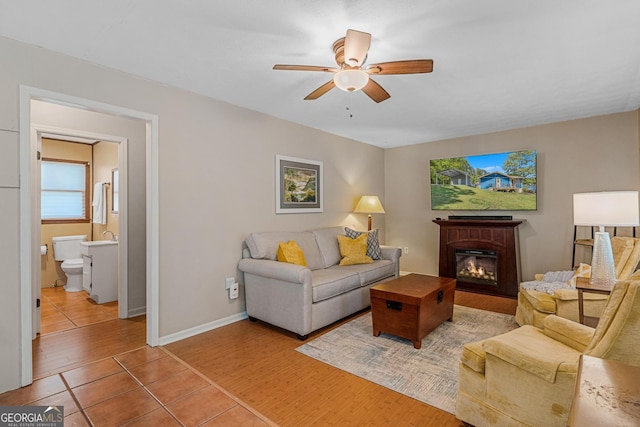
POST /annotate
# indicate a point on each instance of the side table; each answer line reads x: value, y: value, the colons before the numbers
x: 607, y: 394
x: 583, y: 285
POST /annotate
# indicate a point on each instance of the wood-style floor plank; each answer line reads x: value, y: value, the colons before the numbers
x: 61, y: 351
x: 258, y: 363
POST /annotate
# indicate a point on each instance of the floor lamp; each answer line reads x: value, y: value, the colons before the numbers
x: 605, y: 209
x: 369, y: 205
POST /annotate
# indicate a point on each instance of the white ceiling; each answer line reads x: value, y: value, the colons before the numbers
x: 498, y: 64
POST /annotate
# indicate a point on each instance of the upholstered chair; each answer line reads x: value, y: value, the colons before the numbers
x: 527, y: 376
x: 537, y: 302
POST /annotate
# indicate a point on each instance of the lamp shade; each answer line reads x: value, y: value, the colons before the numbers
x: 606, y: 209
x: 351, y: 80
x: 369, y: 205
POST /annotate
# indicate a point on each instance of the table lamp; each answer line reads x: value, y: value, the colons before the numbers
x: 369, y: 205
x: 605, y: 209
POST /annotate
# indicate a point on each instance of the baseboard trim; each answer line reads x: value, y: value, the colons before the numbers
x: 137, y: 312
x: 187, y: 333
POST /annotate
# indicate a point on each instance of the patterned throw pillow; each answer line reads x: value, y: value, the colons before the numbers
x: 353, y: 251
x: 373, y: 244
x: 291, y: 253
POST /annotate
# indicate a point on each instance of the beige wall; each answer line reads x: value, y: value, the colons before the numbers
x: 594, y: 154
x: 105, y: 159
x: 216, y: 184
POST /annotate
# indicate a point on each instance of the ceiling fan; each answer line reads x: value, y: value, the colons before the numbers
x: 352, y: 75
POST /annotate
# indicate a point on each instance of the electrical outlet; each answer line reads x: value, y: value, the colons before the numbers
x: 406, y: 249
x: 234, y: 291
x: 228, y: 282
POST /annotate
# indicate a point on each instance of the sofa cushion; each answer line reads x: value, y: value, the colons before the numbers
x: 330, y: 282
x: 290, y: 252
x: 541, y: 301
x: 354, y: 251
x: 265, y: 246
x: 327, y: 242
x: 370, y: 273
x: 373, y: 243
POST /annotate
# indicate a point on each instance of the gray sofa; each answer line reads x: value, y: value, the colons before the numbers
x: 304, y: 299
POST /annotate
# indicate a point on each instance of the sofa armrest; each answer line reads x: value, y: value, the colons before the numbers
x: 530, y: 350
x: 275, y: 270
x: 391, y: 253
x: 568, y: 332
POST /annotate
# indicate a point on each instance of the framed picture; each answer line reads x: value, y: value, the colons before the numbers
x: 298, y: 185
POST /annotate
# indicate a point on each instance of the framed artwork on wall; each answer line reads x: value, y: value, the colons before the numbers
x: 298, y: 185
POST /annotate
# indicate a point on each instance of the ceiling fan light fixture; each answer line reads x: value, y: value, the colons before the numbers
x: 351, y: 80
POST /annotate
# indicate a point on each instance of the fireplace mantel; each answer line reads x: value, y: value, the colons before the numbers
x: 482, y: 234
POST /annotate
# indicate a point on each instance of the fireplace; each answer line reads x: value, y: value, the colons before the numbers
x: 490, y: 245
x: 477, y: 266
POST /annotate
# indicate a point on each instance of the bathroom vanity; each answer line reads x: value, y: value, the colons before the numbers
x: 100, y: 270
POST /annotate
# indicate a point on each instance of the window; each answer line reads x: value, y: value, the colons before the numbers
x: 64, y: 191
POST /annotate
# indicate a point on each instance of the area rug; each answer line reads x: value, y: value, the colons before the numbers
x: 429, y: 374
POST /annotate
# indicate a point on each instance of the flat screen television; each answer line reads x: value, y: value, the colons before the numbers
x: 487, y: 182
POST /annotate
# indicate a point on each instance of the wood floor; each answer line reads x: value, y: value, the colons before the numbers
x: 258, y: 363
x: 257, y: 366
x: 75, y: 330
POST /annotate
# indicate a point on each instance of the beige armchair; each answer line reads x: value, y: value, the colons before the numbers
x: 527, y: 376
x: 535, y: 305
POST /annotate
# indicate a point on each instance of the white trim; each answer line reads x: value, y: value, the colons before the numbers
x: 168, y: 339
x: 27, y: 154
x: 153, y: 245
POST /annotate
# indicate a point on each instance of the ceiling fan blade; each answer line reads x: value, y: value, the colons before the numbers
x: 356, y: 46
x: 412, y: 66
x: 320, y: 91
x: 304, y: 68
x: 375, y: 91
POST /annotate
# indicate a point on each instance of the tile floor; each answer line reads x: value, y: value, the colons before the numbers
x: 144, y: 387
x: 61, y: 310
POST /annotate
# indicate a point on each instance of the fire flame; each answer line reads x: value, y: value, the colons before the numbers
x: 471, y: 268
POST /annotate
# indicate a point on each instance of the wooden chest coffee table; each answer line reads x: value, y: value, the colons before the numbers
x: 412, y: 306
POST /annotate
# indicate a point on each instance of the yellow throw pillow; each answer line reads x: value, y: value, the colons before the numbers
x: 292, y: 253
x: 354, y: 251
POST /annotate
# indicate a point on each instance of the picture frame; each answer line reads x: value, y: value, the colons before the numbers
x: 299, y: 187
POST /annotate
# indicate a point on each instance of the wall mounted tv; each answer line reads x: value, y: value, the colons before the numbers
x: 488, y: 182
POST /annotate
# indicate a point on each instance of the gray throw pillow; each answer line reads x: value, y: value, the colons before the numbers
x: 373, y: 244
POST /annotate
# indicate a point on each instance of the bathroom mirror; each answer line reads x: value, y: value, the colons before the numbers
x: 114, y: 190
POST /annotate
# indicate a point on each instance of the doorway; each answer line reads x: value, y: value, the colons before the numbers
x: 30, y: 219
x: 68, y: 153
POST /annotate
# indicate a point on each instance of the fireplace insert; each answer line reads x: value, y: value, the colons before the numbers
x: 477, y: 266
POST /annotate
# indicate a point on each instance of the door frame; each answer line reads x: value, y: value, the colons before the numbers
x: 29, y: 250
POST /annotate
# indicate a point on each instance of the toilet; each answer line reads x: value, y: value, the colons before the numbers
x: 67, y: 250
